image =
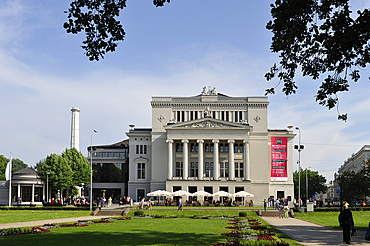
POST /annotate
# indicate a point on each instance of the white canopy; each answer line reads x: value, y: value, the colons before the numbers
x: 180, y: 193
x: 159, y: 193
x: 202, y: 193
x: 243, y: 194
x: 222, y: 193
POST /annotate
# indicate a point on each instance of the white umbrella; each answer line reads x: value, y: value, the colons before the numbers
x: 202, y: 193
x: 180, y: 193
x: 222, y: 193
x: 243, y: 194
x: 159, y: 193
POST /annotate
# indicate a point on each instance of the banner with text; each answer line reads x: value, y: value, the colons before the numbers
x: 279, y: 158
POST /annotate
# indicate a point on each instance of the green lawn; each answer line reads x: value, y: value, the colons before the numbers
x: 9, y: 216
x: 361, y: 218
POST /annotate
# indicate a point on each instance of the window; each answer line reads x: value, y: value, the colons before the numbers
x: 137, y: 149
x: 191, y: 115
x: 110, y: 154
x: 195, y: 115
x: 141, y: 149
x: 105, y: 154
x: 241, y: 148
x: 236, y: 116
x: 193, y: 169
x: 141, y: 171
x: 214, y: 114
x: 239, y: 170
x: 145, y: 149
x: 212, y: 147
x: 209, y: 169
x: 116, y: 154
x: 236, y: 148
x: 196, y: 147
x: 179, y: 147
x: 192, y: 147
x: 240, y: 115
x: 192, y: 189
x: 178, y: 169
x: 227, y: 115
x: 224, y: 169
x: 206, y: 147
x: 226, y: 148
x: 221, y: 147
x: 222, y: 115
x: 178, y: 116
x: 182, y: 116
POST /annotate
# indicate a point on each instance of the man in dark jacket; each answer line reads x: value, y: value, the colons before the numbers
x: 346, y: 222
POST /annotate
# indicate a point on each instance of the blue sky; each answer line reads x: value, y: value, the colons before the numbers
x: 169, y: 51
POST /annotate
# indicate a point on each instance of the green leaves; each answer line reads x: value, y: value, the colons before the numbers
x: 97, y: 18
x: 320, y: 37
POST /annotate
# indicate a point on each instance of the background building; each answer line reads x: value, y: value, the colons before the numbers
x: 211, y: 142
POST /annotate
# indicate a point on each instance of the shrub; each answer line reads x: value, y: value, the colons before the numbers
x: 242, y: 214
x: 139, y: 213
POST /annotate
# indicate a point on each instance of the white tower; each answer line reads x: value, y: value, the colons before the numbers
x: 75, y: 128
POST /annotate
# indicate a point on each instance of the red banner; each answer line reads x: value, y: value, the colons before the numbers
x: 279, y: 158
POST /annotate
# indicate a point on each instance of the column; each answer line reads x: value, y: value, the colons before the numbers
x: 247, y: 168
x: 185, y: 158
x: 215, y: 159
x: 231, y: 159
x: 200, y: 158
x: 170, y: 159
x: 33, y: 193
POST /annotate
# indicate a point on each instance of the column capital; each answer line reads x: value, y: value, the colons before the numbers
x: 200, y: 141
x: 231, y: 141
x: 169, y: 140
x: 215, y: 141
x: 246, y: 141
x: 185, y: 141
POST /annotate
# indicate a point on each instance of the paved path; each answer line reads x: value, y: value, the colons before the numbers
x: 311, y: 234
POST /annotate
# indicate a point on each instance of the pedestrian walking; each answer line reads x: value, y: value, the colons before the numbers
x: 265, y: 204
x: 346, y: 222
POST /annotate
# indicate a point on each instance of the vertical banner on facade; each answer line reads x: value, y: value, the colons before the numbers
x: 279, y: 158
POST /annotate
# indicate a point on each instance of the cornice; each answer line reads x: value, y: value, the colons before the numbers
x: 203, y: 105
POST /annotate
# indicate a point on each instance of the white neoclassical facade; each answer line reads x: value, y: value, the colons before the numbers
x: 211, y: 142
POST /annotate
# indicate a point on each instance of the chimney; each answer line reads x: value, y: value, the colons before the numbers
x: 75, y: 128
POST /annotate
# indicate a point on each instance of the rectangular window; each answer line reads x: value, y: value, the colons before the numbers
x: 195, y: 115
x: 209, y: 169
x: 141, y: 149
x: 224, y: 169
x: 145, y: 149
x: 182, y: 116
x: 193, y: 169
x: 178, y: 169
x: 236, y: 116
x: 206, y: 147
x: 116, y: 154
x: 212, y: 147
x: 191, y: 115
x: 110, y: 154
x: 214, y: 114
x: 239, y: 170
x: 240, y: 115
x: 236, y: 148
x: 196, y: 147
x: 222, y: 115
x: 192, y: 147
x: 241, y: 148
x: 105, y: 154
x: 227, y: 115
x: 141, y: 171
x: 137, y: 149
x: 178, y: 116
x: 221, y: 147
x: 178, y: 147
x: 226, y: 148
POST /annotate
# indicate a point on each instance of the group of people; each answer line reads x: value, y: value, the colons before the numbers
x: 103, y: 202
x: 149, y: 205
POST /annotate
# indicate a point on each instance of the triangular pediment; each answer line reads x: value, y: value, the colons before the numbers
x: 207, y: 123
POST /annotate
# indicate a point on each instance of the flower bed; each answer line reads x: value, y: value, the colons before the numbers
x: 250, y: 232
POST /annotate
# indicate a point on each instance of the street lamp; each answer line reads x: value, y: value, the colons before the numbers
x: 299, y: 147
x: 91, y: 152
x: 47, y: 187
x: 307, y: 184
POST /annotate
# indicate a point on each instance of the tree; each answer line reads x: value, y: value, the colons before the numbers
x: 79, y: 165
x: 321, y: 37
x: 61, y: 174
x: 355, y: 186
x: 18, y: 165
x: 3, y: 162
x: 316, y: 183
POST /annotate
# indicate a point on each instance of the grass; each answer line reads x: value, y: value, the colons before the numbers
x: 361, y: 218
x: 10, y: 216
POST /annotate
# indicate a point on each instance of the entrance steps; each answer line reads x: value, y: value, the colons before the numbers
x: 111, y: 212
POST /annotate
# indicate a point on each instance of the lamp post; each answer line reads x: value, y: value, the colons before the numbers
x: 47, y: 187
x: 299, y: 147
x: 307, y: 184
x: 91, y: 152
